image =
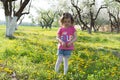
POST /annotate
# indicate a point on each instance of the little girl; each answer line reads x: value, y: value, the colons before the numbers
x: 66, y: 36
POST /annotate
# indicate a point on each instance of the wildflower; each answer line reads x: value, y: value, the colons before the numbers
x: 8, y: 70
x: 1, y: 61
x: 48, y: 71
x: 1, y: 68
x: 113, y: 74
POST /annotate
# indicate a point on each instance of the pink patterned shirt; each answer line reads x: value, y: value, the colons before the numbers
x: 66, y: 35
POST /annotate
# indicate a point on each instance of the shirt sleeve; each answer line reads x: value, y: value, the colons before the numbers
x: 74, y: 30
x: 59, y: 31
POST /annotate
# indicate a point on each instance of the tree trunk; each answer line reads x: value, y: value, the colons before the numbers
x: 89, y: 30
x: 117, y: 27
x: 11, y: 24
x: 93, y: 25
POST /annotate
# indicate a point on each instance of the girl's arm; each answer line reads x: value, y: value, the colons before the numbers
x: 61, y: 41
x: 74, y: 39
x: 58, y: 38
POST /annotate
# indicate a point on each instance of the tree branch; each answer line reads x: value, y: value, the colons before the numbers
x: 19, y: 12
x: 44, y: 19
x: 10, y: 8
x: 112, y: 16
x: 5, y: 4
x: 21, y: 3
x: 117, y: 1
x: 99, y: 11
x: 79, y: 12
x: 14, y: 8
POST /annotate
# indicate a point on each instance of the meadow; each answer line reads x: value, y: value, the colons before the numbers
x: 32, y: 55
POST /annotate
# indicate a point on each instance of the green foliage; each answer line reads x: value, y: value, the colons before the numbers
x: 32, y: 55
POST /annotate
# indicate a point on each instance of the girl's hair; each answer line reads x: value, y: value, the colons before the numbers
x: 66, y: 15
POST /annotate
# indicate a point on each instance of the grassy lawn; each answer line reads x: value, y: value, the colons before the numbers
x: 32, y: 55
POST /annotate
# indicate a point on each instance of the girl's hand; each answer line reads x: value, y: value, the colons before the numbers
x: 63, y: 44
x: 69, y: 44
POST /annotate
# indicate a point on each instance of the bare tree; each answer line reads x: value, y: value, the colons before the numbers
x: 114, y: 20
x: 46, y: 18
x: 12, y: 14
x: 91, y: 15
x: 117, y: 1
x: 113, y: 9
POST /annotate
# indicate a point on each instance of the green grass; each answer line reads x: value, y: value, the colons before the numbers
x: 32, y: 55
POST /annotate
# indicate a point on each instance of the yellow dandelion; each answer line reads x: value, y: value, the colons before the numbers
x: 1, y: 69
x: 1, y: 61
x: 48, y: 71
x: 113, y: 74
x: 7, y: 70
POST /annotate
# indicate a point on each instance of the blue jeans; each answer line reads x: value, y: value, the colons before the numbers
x: 65, y: 53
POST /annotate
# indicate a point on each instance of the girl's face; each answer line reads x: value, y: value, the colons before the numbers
x: 67, y: 22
